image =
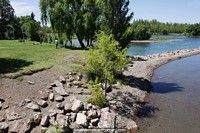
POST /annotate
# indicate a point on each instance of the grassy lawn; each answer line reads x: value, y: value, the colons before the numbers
x: 19, y: 58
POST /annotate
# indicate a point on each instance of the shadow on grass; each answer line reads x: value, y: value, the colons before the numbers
x: 74, y: 48
x: 9, y: 65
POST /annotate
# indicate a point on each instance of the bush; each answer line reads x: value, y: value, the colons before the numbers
x: 98, y: 97
x: 105, y: 60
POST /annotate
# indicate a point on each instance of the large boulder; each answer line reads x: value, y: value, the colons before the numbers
x: 33, y: 106
x: 77, y: 105
x: 81, y: 120
x: 61, y: 91
x: 107, y: 120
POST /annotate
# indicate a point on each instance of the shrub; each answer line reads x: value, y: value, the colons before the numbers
x: 98, y: 97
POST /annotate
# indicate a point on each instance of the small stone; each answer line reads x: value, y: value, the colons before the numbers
x: 59, y: 99
x: 67, y: 107
x: 52, y: 121
x: 94, y: 122
x: 58, y: 83
x: 89, y: 106
x: 11, y: 116
x: 37, y: 118
x: 3, y: 127
x: 73, y: 116
x: 62, y: 121
x: 30, y: 82
x: 71, y: 79
x: 16, y: 126
x: 2, y: 118
x: 5, y: 106
x: 61, y: 91
x: 62, y: 79
x: 1, y: 105
x: 2, y: 100
x: 44, y: 97
x: 105, y: 109
x: 42, y: 103
x: 45, y: 121
x: 132, y: 126
x: 49, y: 87
x: 57, y: 111
x: 77, y: 106
x: 27, y: 100
x: 94, y: 107
x: 51, y: 96
x: 92, y: 114
x: 59, y: 106
x: 81, y: 120
x: 33, y: 106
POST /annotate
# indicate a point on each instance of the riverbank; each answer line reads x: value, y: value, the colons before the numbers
x: 153, y: 40
x: 143, y: 68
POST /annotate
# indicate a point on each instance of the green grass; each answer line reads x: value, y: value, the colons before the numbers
x: 19, y: 58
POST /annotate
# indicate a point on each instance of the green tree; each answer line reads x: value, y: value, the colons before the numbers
x: 193, y: 30
x: 115, y: 19
x: 105, y: 60
x: 6, y: 17
x: 141, y: 31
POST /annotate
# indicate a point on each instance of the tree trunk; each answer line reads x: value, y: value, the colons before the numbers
x: 80, y: 41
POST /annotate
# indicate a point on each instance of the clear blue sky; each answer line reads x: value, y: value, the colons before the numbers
x: 180, y: 11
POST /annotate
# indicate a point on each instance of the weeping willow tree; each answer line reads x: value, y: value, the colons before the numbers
x: 85, y: 17
x: 71, y: 17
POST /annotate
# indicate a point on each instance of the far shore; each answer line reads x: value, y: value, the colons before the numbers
x: 143, y: 68
x: 152, y: 41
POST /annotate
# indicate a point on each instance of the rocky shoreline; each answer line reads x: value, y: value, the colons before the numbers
x: 64, y: 101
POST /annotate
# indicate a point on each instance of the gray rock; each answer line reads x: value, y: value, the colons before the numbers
x: 89, y: 106
x: 51, y: 96
x: 94, y: 107
x: 81, y: 120
x: 60, y: 106
x: 57, y: 111
x: 30, y: 82
x: 92, y: 114
x: 77, y: 106
x: 61, y: 91
x: 58, y: 84
x: 73, y: 117
x: 11, y: 116
x: 2, y: 118
x: 62, y: 121
x: 42, y: 103
x: 44, y: 97
x: 45, y: 121
x: 3, y: 127
x: 105, y: 109
x: 1, y: 105
x: 27, y: 100
x: 59, y: 99
x: 16, y: 126
x: 62, y: 79
x: 67, y: 107
x: 33, y: 106
x: 52, y: 121
x: 107, y: 120
x: 37, y: 118
x: 94, y: 122
x: 132, y: 126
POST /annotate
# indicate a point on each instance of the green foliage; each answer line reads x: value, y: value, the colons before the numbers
x: 140, y: 32
x: 85, y: 17
x: 56, y: 129
x: 6, y: 17
x: 165, y: 32
x: 193, y: 30
x: 98, y: 97
x: 105, y: 60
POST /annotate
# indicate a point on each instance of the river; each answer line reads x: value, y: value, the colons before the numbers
x: 174, y: 104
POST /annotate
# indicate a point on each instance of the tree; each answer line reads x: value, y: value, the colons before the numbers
x: 141, y: 32
x: 105, y: 60
x: 6, y: 17
x: 114, y: 19
x: 193, y: 30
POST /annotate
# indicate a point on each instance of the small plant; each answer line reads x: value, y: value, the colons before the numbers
x: 98, y: 97
x: 56, y: 129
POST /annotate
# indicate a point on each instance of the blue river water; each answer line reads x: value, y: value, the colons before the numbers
x: 179, y: 43
x: 174, y: 104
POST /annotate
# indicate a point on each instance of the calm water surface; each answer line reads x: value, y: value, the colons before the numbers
x: 174, y: 105
x: 180, y: 42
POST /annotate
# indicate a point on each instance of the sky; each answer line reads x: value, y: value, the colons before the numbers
x: 179, y: 11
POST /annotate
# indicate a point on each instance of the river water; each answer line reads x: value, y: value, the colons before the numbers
x: 174, y: 104
x: 179, y: 43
